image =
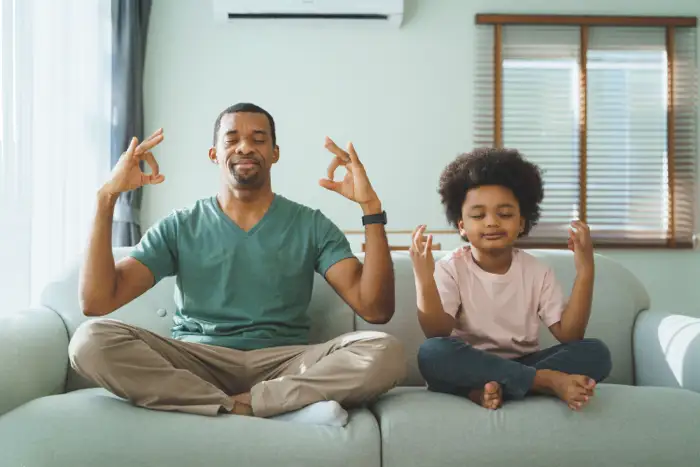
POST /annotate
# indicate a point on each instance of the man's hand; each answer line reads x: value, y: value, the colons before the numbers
x: 127, y: 175
x: 581, y: 244
x: 422, y: 255
x: 355, y: 185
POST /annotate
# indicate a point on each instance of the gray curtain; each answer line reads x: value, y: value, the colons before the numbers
x: 129, y: 31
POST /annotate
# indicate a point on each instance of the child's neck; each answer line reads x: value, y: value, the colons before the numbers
x: 495, y: 261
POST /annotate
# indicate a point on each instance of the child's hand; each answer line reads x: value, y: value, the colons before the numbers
x: 581, y: 244
x: 422, y: 254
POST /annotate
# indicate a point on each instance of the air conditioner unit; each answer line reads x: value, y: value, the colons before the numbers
x: 390, y: 11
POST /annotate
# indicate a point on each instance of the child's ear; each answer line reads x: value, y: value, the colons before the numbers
x: 460, y: 227
x: 522, y: 225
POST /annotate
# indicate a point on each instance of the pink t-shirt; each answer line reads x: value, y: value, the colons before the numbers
x: 499, y: 313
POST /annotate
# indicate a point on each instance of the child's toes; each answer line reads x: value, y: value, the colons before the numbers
x: 578, y: 400
x: 492, y: 395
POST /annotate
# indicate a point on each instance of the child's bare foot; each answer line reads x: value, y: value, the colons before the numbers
x: 575, y: 390
x: 242, y: 404
x: 491, y: 397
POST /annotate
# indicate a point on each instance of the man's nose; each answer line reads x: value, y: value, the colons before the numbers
x: 244, y: 147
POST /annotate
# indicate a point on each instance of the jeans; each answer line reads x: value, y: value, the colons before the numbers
x: 450, y: 365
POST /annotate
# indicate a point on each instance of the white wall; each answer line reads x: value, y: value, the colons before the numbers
x: 403, y: 96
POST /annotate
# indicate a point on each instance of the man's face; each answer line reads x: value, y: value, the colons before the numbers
x: 244, y: 150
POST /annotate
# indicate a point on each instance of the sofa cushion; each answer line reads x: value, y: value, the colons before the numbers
x: 621, y: 426
x: 92, y: 427
x: 618, y: 298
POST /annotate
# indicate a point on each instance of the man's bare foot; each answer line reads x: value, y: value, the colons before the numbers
x: 242, y: 404
x: 575, y: 390
x: 491, y: 397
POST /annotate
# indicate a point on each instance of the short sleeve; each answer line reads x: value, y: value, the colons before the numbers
x: 448, y: 287
x: 551, y: 303
x: 331, y: 244
x: 157, y: 249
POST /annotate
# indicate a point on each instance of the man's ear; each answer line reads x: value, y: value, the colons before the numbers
x: 212, y: 155
x: 275, y: 154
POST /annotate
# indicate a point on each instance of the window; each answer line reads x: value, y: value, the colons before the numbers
x: 606, y: 106
x: 55, y: 115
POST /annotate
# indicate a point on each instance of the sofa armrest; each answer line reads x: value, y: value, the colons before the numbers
x: 33, y: 356
x: 667, y: 350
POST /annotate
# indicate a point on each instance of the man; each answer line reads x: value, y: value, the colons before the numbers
x: 245, y: 262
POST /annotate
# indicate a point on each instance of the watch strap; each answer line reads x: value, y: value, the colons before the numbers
x: 379, y: 218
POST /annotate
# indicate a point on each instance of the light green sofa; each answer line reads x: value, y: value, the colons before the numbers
x: 49, y: 416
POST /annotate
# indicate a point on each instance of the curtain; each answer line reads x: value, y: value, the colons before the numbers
x: 129, y: 31
x: 55, y: 102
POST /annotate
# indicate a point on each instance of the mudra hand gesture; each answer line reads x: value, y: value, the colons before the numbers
x: 127, y: 174
x: 355, y: 186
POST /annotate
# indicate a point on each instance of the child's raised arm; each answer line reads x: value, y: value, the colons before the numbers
x: 574, y: 319
x: 431, y: 314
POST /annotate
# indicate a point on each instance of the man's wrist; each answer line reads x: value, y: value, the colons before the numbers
x: 371, y: 207
x: 106, y: 197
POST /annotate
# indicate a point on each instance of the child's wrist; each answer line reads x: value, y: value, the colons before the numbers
x: 586, y: 271
x: 423, y: 279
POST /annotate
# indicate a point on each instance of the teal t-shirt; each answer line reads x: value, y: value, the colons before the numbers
x: 237, y: 289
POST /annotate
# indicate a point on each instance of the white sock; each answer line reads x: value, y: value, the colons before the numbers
x: 320, y: 413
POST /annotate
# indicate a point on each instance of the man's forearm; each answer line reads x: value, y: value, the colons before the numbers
x: 377, y: 281
x: 575, y: 318
x: 98, y: 277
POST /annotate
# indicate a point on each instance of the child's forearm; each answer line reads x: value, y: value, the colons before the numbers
x: 574, y: 320
x: 431, y: 316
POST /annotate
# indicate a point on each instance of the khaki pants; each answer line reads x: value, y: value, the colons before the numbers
x: 166, y: 374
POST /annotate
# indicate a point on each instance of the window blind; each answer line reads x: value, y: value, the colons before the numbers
x: 608, y: 115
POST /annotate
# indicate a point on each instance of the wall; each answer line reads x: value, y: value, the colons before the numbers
x: 403, y: 96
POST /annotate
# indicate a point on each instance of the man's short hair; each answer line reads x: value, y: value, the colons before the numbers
x: 245, y: 107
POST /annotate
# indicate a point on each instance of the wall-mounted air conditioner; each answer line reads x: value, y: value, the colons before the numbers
x: 390, y: 11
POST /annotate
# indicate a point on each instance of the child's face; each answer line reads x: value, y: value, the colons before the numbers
x: 491, y: 217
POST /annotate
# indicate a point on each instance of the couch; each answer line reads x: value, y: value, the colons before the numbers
x: 646, y: 414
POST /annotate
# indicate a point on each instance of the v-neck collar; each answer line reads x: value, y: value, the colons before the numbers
x: 235, y: 227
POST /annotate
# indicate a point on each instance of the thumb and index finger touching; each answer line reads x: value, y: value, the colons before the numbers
x: 342, y: 158
x: 142, y: 152
x: 422, y: 244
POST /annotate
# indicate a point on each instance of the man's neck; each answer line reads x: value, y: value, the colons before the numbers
x: 245, y: 207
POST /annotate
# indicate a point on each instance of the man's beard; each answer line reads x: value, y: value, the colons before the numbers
x: 250, y: 179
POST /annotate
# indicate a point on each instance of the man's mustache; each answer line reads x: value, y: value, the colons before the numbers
x: 247, y: 159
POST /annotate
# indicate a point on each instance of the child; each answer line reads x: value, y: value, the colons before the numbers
x: 479, y: 306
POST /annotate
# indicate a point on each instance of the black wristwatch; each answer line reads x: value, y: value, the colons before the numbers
x: 374, y: 218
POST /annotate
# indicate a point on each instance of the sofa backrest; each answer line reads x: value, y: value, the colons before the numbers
x: 618, y: 297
